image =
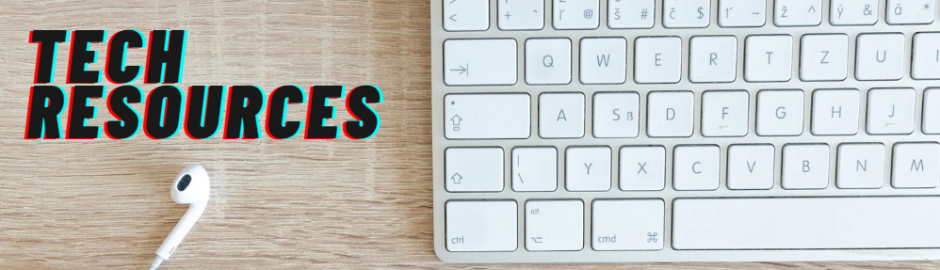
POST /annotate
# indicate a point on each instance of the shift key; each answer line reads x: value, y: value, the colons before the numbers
x: 486, y: 116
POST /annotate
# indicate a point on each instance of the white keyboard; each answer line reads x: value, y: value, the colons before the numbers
x: 685, y: 130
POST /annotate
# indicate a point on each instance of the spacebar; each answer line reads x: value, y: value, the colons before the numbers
x: 806, y: 223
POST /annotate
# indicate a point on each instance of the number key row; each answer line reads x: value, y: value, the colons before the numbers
x: 474, y: 15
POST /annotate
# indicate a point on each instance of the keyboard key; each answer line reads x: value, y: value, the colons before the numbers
x: 824, y: 57
x: 932, y: 111
x: 879, y: 57
x: 534, y: 169
x: 805, y: 166
x: 466, y: 15
x: 642, y: 168
x: 521, y: 14
x: 696, y: 168
x: 554, y: 225
x: 658, y: 60
x: 910, y: 11
x: 853, y: 12
x: 630, y: 14
x: 751, y: 166
x: 780, y: 112
x: 481, y: 226
x: 835, y: 112
x: 805, y: 223
x: 548, y: 61
x: 480, y: 61
x: 768, y: 58
x: 587, y: 169
x: 575, y: 14
x: 670, y: 114
x: 616, y: 115
x: 891, y: 111
x: 861, y: 165
x: 797, y: 12
x: 486, y: 116
x: 686, y: 13
x: 926, y: 56
x: 474, y: 169
x: 916, y: 165
x: 628, y: 225
x: 725, y: 113
x: 603, y: 60
x: 713, y: 59
x: 561, y: 115
x: 741, y: 13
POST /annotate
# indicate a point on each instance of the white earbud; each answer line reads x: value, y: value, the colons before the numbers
x: 190, y: 187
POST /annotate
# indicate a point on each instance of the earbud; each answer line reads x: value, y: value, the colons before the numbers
x: 190, y: 187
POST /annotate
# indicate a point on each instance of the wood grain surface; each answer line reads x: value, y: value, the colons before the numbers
x: 290, y: 204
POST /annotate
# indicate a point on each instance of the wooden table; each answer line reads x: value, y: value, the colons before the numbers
x: 338, y: 204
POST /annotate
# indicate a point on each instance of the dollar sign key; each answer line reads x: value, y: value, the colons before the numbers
x: 700, y: 14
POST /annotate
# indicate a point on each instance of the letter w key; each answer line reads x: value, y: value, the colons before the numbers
x: 610, y: 55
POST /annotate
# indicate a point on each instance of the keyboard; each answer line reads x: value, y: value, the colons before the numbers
x: 685, y: 130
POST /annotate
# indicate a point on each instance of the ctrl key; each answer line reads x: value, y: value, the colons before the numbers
x: 481, y: 225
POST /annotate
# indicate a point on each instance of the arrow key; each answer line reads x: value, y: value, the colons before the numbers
x: 474, y: 169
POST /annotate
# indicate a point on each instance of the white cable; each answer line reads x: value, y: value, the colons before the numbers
x: 156, y: 263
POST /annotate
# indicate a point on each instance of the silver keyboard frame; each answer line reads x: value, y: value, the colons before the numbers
x: 668, y: 254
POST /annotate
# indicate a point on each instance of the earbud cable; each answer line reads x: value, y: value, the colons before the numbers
x: 156, y: 263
